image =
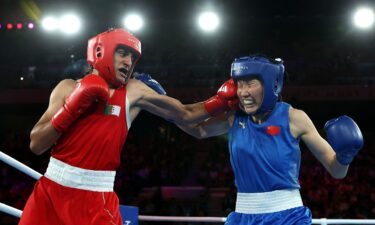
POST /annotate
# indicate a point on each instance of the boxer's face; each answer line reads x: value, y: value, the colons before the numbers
x: 122, y: 61
x: 250, y: 94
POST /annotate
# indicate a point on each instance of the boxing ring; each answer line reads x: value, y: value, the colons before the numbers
x: 34, y: 174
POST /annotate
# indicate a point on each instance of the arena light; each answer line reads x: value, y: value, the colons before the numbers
x: 50, y: 23
x: 9, y: 26
x: 133, y: 22
x: 69, y: 24
x: 208, y: 21
x: 17, y: 26
x: 364, y: 18
x: 30, y: 26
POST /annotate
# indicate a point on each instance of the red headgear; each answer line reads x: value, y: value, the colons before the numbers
x: 101, y: 48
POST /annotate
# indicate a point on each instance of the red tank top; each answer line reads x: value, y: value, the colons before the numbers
x: 95, y: 140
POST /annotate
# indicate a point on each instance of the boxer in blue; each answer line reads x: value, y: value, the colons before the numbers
x: 264, y: 135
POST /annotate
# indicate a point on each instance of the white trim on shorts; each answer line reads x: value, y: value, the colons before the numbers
x: 74, y: 177
x: 268, y: 202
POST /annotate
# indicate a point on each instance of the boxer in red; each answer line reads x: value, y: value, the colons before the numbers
x: 86, y: 124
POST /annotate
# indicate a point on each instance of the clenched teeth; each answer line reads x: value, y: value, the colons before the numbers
x: 248, y: 102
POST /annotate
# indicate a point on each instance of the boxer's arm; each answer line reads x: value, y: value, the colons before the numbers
x: 211, y: 127
x: 44, y: 135
x: 302, y: 126
x: 90, y: 89
x: 140, y: 95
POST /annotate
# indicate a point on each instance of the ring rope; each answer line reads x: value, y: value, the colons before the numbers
x: 19, y: 166
x: 27, y: 170
x: 10, y: 210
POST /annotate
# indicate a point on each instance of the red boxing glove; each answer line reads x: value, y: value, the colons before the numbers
x: 233, y: 104
x: 225, y: 100
x: 90, y: 88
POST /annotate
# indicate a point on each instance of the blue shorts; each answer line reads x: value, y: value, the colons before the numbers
x: 295, y: 216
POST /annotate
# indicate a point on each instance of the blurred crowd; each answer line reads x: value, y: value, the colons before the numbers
x: 159, y: 155
x: 307, y: 63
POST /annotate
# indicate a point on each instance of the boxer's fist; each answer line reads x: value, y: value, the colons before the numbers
x: 345, y: 137
x: 225, y: 100
x: 153, y: 84
x: 90, y: 89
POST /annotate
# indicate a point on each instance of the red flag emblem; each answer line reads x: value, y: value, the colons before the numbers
x: 273, y: 130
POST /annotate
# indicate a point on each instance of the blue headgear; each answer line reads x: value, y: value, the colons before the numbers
x: 270, y: 72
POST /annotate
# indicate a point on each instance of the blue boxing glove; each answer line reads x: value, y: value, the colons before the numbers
x: 153, y: 84
x: 345, y: 137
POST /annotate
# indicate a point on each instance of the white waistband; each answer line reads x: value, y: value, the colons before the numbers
x: 268, y: 202
x: 74, y: 177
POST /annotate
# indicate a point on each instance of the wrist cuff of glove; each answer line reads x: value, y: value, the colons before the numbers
x: 62, y: 120
x: 344, y: 159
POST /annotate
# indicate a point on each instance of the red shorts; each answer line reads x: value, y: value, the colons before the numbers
x: 52, y: 203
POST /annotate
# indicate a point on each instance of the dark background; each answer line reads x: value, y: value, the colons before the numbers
x: 331, y: 68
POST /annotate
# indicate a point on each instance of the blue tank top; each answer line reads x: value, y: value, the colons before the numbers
x: 264, y: 157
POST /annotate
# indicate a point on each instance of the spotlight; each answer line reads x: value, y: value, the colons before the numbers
x: 50, y: 23
x: 133, y: 22
x: 70, y: 24
x: 364, y: 18
x: 208, y: 21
